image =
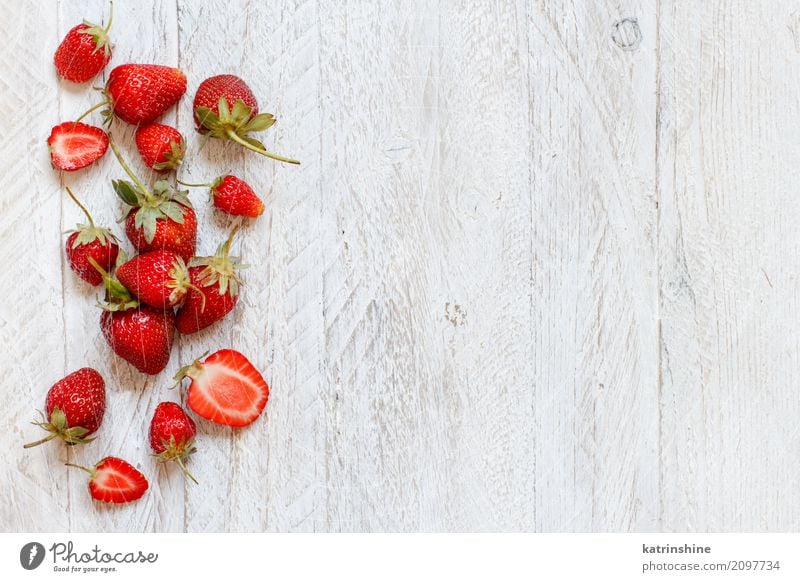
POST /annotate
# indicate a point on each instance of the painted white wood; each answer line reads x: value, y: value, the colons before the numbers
x: 535, y: 272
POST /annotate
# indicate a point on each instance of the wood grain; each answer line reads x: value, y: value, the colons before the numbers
x: 535, y: 272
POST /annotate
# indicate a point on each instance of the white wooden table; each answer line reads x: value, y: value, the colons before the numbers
x: 533, y: 274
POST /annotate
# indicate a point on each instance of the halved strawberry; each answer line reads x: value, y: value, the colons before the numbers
x: 226, y: 388
x: 74, y: 145
x: 113, y: 480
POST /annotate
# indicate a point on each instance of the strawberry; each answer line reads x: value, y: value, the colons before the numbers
x: 75, y: 406
x: 138, y: 94
x: 84, y: 52
x: 74, y: 145
x: 90, y: 241
x: 159, y: 278
x: 172, y: 435
x: 139, y: 334
x: 113, y: 480
x: 233, y: 196
x: 162, y: 147
x: 216, y: 289
x: 225, y: 108
x: 159, y: 220
x: 225, y: 388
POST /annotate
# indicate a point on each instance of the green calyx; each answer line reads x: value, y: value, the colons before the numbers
x: 221, y: 269
x: 88, y: 233
x: 178, y: 452
x: 174, y: 157
x: 100, y: 34
x: 163, y: 202
x: 58, y: 428
x: 236, y: 124
x: 192, y: 370
x: 180, y: 282
x: 118, y: 298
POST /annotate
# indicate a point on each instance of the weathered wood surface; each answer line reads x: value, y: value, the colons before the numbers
x: 536, y: 272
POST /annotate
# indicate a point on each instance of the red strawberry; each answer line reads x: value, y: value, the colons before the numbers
x: 159, y: 278
x: 138, y: 94
x: 225, y: 108
x: 90, y: 241
x: 138, y: 334
x: 172, y: 435
x: 162, y: 147
x: 84, y: 52
x: 216, y: 289
x: 162, y: 219
x: 113, y: 480
x: 234, y: 196
x: 75, y: 406
x: 225, y: 388
x: 141, y: 336
x: 74, y: 145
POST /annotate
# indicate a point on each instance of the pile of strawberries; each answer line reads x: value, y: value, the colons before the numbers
x: 165, y: 287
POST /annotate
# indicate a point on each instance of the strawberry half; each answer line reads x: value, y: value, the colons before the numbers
x: 90, y: 241
x: 85, y: 51
x: 74, y: 145
x: 113, y: 480
x: 225, y: 108
x: 172, y: 435
x: 159, y: 278
x: 225, y: 388
x: 162, y: 147
x: 140, y: 335
x: 161, y: 219
x: 233, y: 196
x: 215, y: 289
x: 75, y: 407
x: 138, y: 94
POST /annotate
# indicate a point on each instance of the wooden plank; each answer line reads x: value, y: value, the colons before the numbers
x: 30, y: 209
x: 142, y: 32
x: 728, y: 163
x: 266, y: 476
x: 427, y: 272
x: 594, y: 279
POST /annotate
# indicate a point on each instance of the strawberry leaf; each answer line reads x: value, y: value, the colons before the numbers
x: 173, y: 211
x: 206, y: 117
x: 126, y: 191
x: 260, y: 122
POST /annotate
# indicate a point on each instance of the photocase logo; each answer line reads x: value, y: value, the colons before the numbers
x: 31, y: 555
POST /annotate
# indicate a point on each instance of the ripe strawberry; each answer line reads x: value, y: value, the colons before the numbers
x: 84, y: 52
x: 159, y: 279
x: 138, y: 94
x: 233, y: 196
x: 90, y: 241
x: 225, y: 108
x: 74, y: 145
x: 216, y: 289
x: 225, y: 388
x: 75, y: 406
x: 172, y: 435
x: 139, y: 334
x: 162, y: 147
x: 113, y: 480
x: 159, y: 220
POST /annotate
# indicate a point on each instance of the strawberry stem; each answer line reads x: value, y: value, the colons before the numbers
x: 185, y: 470
x: 88, y: 111
x: 226, y: 246
x: 110, y: 16
x: 81, y: 206
x: 90, y: 471
x: 232, y: 135
x: 40, y: 441
x: 195, y: 185
x: 127, y: 169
